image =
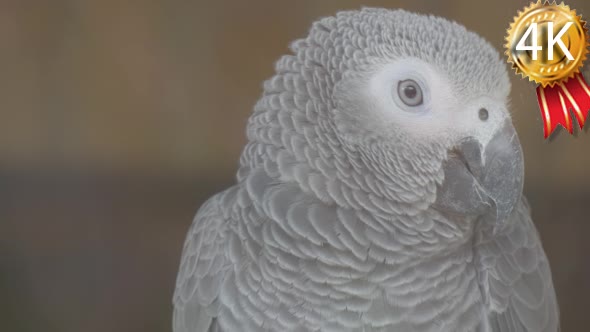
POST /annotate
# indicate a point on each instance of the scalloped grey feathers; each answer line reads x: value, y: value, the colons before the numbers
x: 325, y: 233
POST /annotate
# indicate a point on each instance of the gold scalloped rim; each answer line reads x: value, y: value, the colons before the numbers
x: 510, y: 32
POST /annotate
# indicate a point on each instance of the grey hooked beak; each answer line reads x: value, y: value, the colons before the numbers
x: 480, y: 181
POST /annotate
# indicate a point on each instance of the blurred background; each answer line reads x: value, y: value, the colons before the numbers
x: 119, y: 118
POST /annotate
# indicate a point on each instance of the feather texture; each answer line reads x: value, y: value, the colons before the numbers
x: 515, y: 277
x: 202, y: 269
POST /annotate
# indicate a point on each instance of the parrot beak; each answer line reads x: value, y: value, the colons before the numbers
x: 502, y: 176
x: 480, y: 181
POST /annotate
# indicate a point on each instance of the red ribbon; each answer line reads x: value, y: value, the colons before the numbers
x: 557, y: 101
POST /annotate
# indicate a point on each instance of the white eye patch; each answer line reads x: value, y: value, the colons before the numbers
x: 404, y: 83
x: 410, y: 95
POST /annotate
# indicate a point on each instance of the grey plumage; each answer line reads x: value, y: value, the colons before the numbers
x: 354, y: 212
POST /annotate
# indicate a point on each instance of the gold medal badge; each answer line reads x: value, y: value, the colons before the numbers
x: 547, y: 42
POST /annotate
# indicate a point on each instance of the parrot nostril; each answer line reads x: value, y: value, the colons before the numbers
x: 483, y: 114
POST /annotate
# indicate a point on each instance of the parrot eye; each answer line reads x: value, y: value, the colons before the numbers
x: 409, y: 92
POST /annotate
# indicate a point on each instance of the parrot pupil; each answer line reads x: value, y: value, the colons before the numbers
x: 410, y: 91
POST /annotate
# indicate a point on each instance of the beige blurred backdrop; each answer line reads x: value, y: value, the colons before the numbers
x: 118, y: 118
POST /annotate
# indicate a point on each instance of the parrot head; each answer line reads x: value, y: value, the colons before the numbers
x: 425, y: 101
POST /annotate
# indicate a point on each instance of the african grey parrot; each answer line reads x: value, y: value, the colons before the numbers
x: 380, y: 190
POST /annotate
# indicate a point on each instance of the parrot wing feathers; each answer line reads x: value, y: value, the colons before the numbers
x: 202, y: 269
x: 516, y: 279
